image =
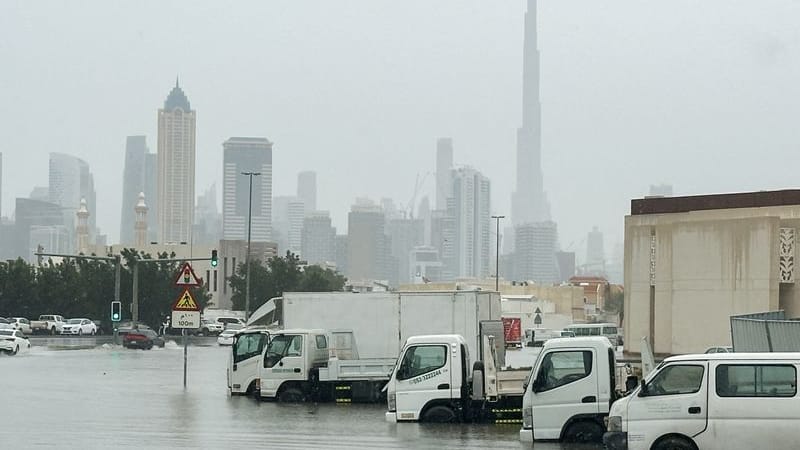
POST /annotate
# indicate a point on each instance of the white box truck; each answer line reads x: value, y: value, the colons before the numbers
x: 380, y: 323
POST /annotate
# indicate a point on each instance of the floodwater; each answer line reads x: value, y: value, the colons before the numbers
x: 108, y: 397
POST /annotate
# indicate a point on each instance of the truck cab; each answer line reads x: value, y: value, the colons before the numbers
x: 289, y: 361
x: 430, y: 381
x: 245, y: 357
x: 569, y: 390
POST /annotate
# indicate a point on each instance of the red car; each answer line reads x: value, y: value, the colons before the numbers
x: 142, y: 338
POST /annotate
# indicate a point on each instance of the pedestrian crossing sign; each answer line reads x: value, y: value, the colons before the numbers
x: 185, y: 302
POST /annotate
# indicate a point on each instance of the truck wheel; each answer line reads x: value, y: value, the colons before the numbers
x: 439, y: 414
x: 584, y: 431
x: 674, y: 443
x: 291, y: 395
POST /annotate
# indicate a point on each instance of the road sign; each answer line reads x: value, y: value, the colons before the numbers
x: 185, y: 302
x: 185, y: 319
x: 187, y: 277
x: 538, y: 319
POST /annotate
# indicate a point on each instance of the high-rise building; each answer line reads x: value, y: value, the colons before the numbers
x: 140, y: 227
x: 82, y: 230
x: 443, y: 235
x: 247, y: 154
x: 471, y: 208
x: 535, y: 254
x: 307, y: 189
x: 663, y: 190
x: 595, y: 253
x: 207, y: 219
x: 444, y: 162
x: 70, y: 181
x: 529, y: 202
x: 368, y: 252
x: 318, y: 240
x: 139, y: 176
x: 405, y: 234
x: 176, y: 158
x: 52, y: 233
x: 287, y: 222
x: 425, y: 265
x: 340, y: 253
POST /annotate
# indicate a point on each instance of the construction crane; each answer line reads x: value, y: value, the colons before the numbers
x: 413, y: 202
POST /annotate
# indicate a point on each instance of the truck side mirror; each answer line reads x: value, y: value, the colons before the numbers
x: 643, y: 392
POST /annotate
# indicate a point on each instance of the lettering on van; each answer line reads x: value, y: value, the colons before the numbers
x: 426, y: 376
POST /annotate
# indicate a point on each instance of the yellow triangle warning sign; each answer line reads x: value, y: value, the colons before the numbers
x: 185, y: 302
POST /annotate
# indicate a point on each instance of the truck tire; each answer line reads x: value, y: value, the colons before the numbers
x: 584, y: 431
x: 439, y: 414
x: 674, y: 443
x: 291, y: 395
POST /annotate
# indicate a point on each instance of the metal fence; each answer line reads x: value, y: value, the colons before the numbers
x: 765, y: 332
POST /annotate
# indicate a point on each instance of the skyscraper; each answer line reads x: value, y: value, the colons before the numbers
x: 368, y: 246
x: 307, y: 189
x: 176, y: 157
x: 70, y: 180
x: 471, y: 208
x: 529, y: 203
x: 247, y: 154
x: 595, y: 253
x: 535, y: 254
x: 207, y: 219
x: 139, y: 176
x: 318, y: 241
x: 444, y: 162
x: 287, y: 222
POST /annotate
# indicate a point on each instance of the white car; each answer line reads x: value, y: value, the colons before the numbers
x: 226, y: 337
x: 13, y: 341
x: 209, y: 328
x: 79, y: 327
x: 22, y: 324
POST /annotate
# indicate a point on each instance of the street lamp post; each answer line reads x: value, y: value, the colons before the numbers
x: 247, y: 256
x: 497, y: 255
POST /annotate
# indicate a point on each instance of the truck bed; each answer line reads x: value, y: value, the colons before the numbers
x: 509, y: 381
x: 357, y: 369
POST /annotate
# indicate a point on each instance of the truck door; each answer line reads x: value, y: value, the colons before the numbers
x: 565, y: 386
x: 424, y: 374
x: 674, y: 400
x: 243, y: 363
x: 284, y: 360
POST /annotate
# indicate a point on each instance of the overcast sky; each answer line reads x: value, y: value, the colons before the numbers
x: 702, y: 95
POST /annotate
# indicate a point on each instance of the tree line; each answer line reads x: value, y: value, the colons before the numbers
x: 77, y: 287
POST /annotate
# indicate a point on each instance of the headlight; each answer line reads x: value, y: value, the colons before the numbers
x: 392, y: 400
x: 615, y: 423
x: 527, y: 418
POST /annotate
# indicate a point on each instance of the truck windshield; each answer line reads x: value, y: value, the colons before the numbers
x: 283, y: 345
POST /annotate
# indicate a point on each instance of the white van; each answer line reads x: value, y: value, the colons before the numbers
x: 711, y: 401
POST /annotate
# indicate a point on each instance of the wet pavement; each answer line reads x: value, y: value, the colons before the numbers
x: 113, y: 397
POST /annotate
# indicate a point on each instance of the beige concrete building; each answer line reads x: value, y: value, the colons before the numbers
x: 176, y: 158
x: 692, y: 262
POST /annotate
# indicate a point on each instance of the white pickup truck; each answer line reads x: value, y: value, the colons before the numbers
x: 48, y: 323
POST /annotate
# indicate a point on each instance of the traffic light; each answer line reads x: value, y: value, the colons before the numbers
x: 214, y: 260
x: 116, y: 311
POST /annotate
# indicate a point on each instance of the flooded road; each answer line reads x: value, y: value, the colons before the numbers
x: 113, y: 397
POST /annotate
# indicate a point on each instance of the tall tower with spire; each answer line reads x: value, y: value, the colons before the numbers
x: 140, y: 227
x: 176, y: 160
x: 528, y: 202
x: 82, y: 230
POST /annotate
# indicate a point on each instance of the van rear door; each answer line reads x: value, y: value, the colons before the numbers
x: 675, y: 401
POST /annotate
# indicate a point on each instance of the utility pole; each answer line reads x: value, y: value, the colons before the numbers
x: 247, y: 256
x: 497, y: 255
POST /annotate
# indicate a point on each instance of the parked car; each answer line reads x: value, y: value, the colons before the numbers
x: 209, y: 328
x: 13, y: 341
x: 226, y: 337
x: 22, y: 324
x: 144, y: 338
x: 5, y: 324
x: 719, y: 349
x: 225, y: 321
x: 79, y: 327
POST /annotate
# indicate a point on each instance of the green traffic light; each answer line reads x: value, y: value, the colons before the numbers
x: 214, y: 260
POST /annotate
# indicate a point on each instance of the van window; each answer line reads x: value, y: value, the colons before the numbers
x: 756, y: 380
x: 420, y: 360
x: 561, y: 368
x: 676, y: 379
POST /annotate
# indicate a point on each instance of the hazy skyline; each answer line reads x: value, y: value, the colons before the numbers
x: 701, y: 95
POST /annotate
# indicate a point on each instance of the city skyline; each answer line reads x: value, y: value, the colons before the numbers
x: 608, y: 106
